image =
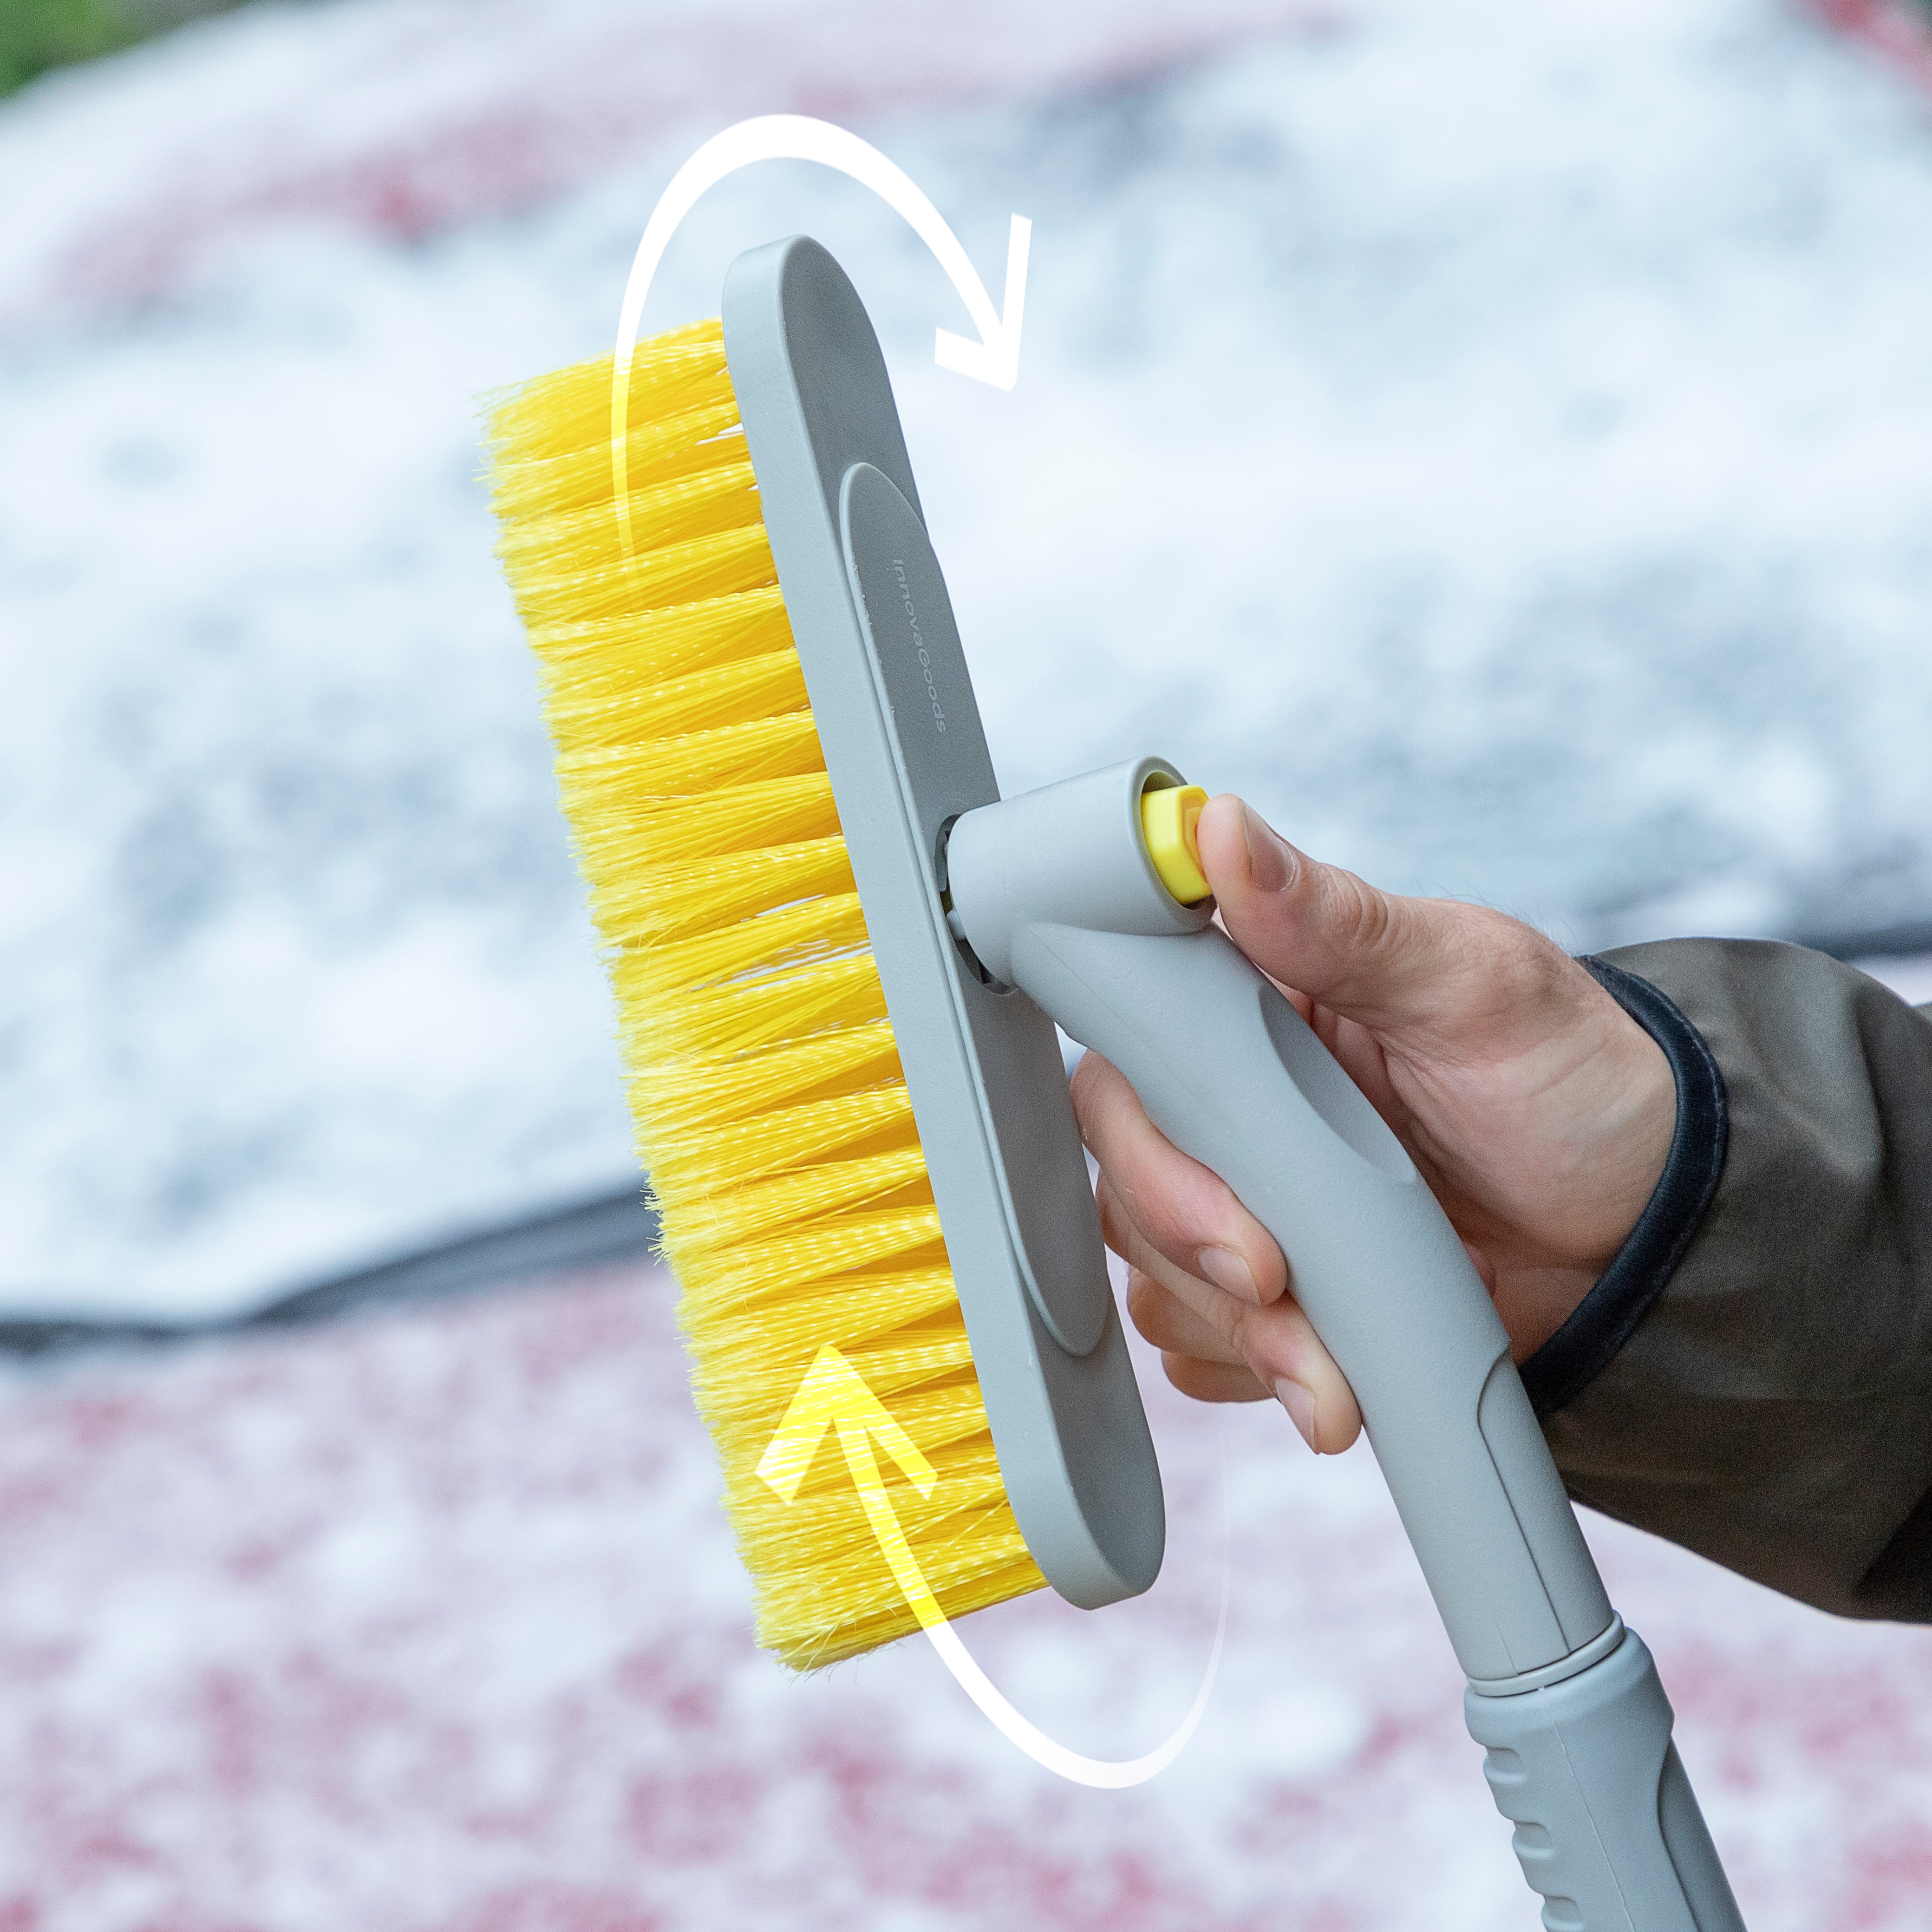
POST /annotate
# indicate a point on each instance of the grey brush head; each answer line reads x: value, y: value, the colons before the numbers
x: 901, y: 731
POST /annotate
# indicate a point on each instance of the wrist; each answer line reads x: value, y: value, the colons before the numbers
x: 1535, y: 1303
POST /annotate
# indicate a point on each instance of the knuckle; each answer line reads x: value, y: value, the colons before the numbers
x: 1540, y: 969
x: 1104, y: 1102
x: 1086, y: 1084
x: 1355, y: 912
x: 1196, y: 1206
x: 1530, y: 965
x: 1146, y: 1304
x: 1246, y: 1334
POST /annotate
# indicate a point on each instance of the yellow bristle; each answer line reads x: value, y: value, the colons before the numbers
x: 772, y: 1111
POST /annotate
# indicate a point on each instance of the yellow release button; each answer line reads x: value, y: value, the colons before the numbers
x: 1167, y: 819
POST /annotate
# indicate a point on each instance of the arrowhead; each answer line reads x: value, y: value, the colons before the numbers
x: 996, y: 359
x: 834, y: 1395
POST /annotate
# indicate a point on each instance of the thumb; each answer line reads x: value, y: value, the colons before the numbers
x: 1392, y: 963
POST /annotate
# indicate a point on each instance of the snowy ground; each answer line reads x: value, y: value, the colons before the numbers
x: 1497, y: 438
x: 428, y: 1622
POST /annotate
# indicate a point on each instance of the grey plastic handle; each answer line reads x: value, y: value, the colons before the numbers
x: 1053, y: 893
x: 1056, y: 896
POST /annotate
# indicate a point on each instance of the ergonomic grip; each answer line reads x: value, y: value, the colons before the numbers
x: 1055, y: 893
x: 1607, y: 1827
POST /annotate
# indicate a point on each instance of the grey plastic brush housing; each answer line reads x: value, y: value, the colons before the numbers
x: 901, y: 731
x: 987, y: 916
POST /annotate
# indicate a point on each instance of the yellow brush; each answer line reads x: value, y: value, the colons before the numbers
x: 772, y: 1115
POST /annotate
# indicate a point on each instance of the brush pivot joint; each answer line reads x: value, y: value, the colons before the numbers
x: 1072, y: 854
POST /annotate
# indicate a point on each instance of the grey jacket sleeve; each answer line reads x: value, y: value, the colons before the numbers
x: 1753, y: 1377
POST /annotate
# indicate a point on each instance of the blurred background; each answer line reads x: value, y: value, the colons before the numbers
x: 1496, y: 439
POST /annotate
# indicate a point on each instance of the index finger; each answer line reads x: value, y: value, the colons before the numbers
x: 1185, y: 1211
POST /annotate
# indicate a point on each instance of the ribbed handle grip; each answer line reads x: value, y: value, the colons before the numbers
x: 1607, y: 1828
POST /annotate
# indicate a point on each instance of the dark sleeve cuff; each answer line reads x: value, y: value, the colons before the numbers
x: 1604, y: 1319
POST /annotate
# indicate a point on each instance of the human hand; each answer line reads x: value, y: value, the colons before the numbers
x: 1537, y: 1111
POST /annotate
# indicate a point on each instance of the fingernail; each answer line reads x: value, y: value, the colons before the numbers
x: 1268, y: 856
x: 1227, y: 1272
x: 1301, y: 1407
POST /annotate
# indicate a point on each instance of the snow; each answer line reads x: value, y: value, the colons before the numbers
x: 1498, y: 440
x: 430, y: 1621
x: 406, y: 117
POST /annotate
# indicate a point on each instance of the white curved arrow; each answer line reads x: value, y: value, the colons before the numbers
x: 835, y: 1396
x: 993, y: 359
